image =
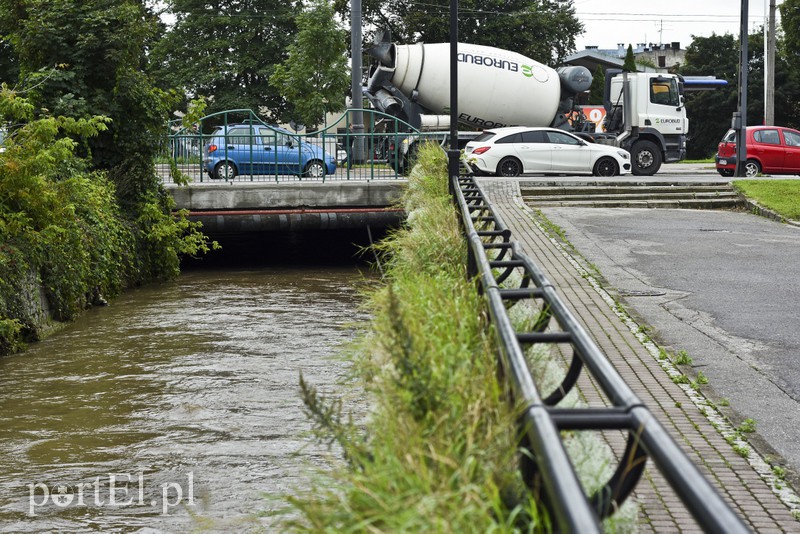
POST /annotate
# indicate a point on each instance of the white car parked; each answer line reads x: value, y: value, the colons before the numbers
x: 517, y: 150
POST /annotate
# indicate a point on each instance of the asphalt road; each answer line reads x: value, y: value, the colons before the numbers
x: 724, y: 287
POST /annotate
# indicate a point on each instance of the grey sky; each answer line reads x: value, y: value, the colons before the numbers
x: 609, y: 22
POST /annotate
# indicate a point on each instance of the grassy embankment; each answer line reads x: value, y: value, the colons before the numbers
x: 780, y: 196
x: 438, y: 449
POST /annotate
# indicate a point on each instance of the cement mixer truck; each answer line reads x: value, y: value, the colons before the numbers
x: 645, y: 112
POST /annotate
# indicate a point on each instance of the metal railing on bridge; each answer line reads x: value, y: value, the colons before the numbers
x: 496, y: 260
x: 236, y: 145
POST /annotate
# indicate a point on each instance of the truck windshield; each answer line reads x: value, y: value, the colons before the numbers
x: 664, y: 91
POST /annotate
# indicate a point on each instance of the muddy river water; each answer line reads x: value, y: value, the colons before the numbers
x: 177, y: 407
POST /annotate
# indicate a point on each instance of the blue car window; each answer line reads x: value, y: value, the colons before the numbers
x: 240, y: 136
x: 267, y: 137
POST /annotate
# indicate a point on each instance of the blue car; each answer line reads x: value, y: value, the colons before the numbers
x: 254, y: 149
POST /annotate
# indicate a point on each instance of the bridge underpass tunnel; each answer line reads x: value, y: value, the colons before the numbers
x: 302, y: 248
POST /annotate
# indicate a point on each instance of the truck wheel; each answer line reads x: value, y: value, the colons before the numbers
x: 646, y: 158
x: 509, y: 166
x: 606, y: 167
x: 752, y: 168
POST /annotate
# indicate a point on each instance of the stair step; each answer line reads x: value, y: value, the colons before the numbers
x: 651, y: 203
x: 688, y: 195
x: 645, y: 194
x: 592, y: 190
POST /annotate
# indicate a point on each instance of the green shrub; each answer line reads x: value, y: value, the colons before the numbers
x: 62, y: 230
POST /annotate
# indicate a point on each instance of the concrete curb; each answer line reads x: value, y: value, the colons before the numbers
x: 758, y: 209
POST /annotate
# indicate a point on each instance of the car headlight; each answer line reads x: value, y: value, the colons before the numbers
x: 623, y: 154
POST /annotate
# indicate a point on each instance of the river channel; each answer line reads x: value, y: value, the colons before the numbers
x: 177, y: 407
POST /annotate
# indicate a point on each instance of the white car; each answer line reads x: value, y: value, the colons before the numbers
x: 517, y: 150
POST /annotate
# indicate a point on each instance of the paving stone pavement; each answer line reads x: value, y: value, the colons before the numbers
x: 745, y: 484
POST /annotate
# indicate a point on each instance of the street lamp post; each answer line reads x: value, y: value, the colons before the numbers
x: 357, y: 127
x: 740, y: 117
x: 453, y: 153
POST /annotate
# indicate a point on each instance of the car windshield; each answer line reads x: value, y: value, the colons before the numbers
x: 664, y: 91
x: 730, y: 137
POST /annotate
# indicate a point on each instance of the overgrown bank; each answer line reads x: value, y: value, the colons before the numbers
x: 65, y: 241
x: 82, y: 212
x: 438, y: 451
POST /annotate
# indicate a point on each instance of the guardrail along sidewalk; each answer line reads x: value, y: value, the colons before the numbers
x: 693, y: 479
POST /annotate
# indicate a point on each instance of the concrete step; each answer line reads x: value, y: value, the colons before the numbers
x: 702, y: 195
x: 637, y: 196
x: 623, y: 190
x: 697, y: 204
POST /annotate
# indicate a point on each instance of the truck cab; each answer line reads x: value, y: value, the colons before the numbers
x: 645, y: 112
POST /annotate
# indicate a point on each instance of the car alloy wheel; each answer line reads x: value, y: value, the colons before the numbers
x: 509, y: 166
x: 752, y: 168
x: 315, y: 169
x: 225, y: 170
x: 605, y: 167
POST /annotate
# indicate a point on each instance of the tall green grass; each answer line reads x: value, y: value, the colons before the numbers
x: 438, y: 453
x: 438, y: 450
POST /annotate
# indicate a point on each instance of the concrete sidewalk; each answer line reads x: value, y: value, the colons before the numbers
x: 747, y: 484
x: 689, y: 168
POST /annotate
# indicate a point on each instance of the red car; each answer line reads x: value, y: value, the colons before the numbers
x: 770, y: 150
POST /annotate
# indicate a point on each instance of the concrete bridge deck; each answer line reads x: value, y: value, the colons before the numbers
x: 288, y: 206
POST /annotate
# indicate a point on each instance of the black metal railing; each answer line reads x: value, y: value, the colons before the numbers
x: 493, y: 257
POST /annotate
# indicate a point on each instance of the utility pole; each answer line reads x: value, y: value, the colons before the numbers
x: 769, y: 64
x: 453, y: 154
x: 357, y: 126
x: 740, y: 117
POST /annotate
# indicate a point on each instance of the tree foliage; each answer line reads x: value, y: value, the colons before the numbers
x: 85, y: 57
x: 630, y: 61
x: 227, y: 51
x: 710, y: 112
x: 60, y: 226
x: 543, y: 30
x: 790, y: 24
x: 82, y: 208
x: 597, y: 89
x: 315, y: 76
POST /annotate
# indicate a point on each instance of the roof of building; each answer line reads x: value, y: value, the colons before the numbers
x: 592, y: 58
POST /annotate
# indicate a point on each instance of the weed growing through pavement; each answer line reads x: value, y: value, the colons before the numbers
x: 682, y: 358
x: 748, y: 426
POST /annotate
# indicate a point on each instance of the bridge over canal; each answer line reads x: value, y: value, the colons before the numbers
x: 225, y: 207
